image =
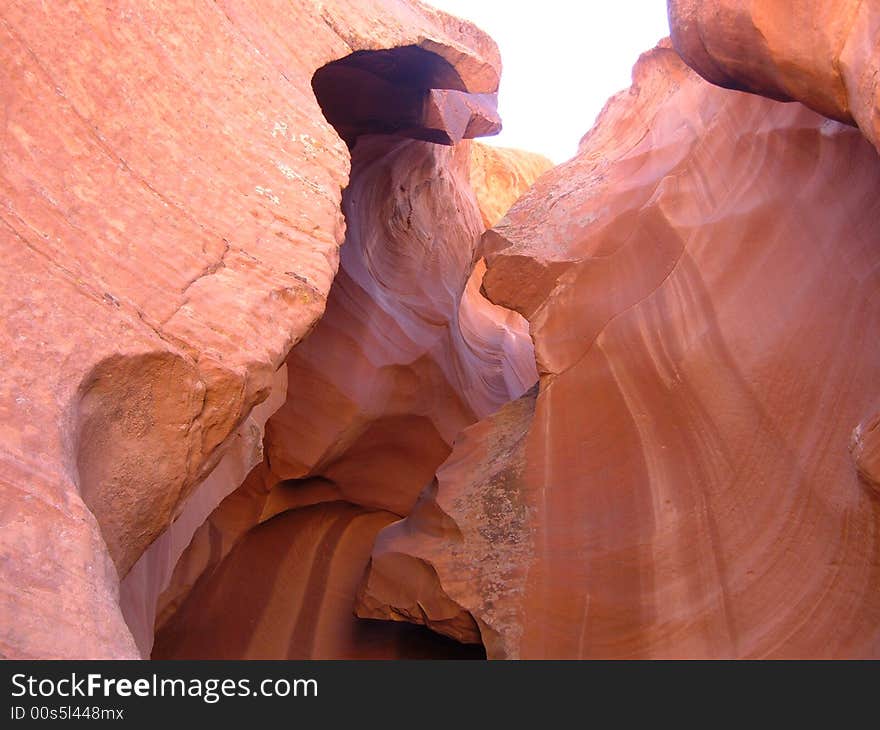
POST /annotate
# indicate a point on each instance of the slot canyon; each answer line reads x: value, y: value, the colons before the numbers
x: 295, y: 367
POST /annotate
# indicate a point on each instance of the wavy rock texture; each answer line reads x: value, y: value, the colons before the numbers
x: 405, y: 356
x: 699, y: 282
x: 823, y: 53
x: 191, y: 390
x: 500, y: 175
x: 408, y: 354
x: 171, y: 219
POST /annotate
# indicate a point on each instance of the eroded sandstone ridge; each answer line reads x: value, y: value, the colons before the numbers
x: 170, y: 221
x: 699, y: 282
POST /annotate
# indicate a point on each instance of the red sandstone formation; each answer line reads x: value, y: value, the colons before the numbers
x: 153, y: 571
x: 403, y: 359
x: 823, y: 53
x: 698, y: 281
x: 458, y: 564
x: 407, y: 354
x: 171, y: 220
x: 222, y: 433
x: 499, y: 175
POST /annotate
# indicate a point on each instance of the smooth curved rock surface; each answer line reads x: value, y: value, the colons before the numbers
x: 407, y: 354
x: 705, y: 343
x: 171, y: 219
x: 696, y: 474
x: 823, y: 53
x: 299, y: 604
x: 458, y: 563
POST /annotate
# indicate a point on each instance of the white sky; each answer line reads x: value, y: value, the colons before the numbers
x: 562, y: 60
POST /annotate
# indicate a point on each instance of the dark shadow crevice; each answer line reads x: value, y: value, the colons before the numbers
x: 405, y: 91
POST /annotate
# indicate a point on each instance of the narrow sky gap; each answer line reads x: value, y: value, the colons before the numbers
x: 562, y: 61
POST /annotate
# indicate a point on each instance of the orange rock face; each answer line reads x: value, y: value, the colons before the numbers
x: 171, y: 217
x: 684, y: 486
x: 458, y: 564
x: 823, y: 53
x: 499, y: 175
x: 406, y: 355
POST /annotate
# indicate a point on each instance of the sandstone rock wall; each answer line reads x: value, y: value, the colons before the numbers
x: 699, y: 284
x: 260, y: 368
x: 171, y: 217
x: 298, y: 605
x: 402, y: 360
x: 407, y: 354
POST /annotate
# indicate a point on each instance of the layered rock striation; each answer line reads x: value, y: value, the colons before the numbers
x: 407, y: 354
x: 298, y: 605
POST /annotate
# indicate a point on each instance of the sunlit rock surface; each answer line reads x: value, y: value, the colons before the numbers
x: 268, y: 393
x: 406, y: 356
x: 500, y: 175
